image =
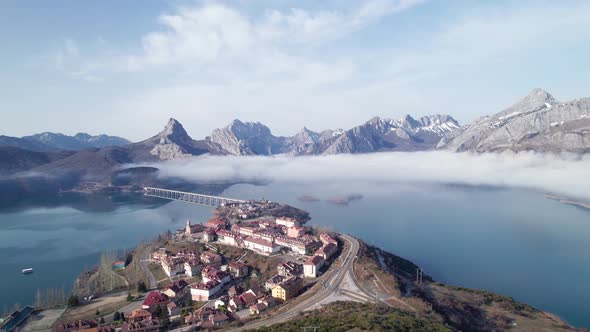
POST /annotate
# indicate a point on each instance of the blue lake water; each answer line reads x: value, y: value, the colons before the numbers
x: 509, y: 241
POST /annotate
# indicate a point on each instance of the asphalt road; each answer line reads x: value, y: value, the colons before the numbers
x: 144, y: 256
x: 331, y: 282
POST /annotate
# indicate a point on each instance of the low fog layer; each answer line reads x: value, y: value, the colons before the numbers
x: 563, y: 174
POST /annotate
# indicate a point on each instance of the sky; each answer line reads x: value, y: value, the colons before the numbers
x: 125, y: 68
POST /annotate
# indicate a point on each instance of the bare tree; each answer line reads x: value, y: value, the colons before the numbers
x: 38, y: 299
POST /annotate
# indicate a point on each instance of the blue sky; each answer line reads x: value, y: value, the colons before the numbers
x: 124, y: 68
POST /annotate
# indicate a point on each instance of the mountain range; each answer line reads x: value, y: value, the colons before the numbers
x: 56, y: 141
x: 536, y: 122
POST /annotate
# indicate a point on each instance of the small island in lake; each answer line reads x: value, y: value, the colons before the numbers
x: 345, y: 200
x: 308, y: 198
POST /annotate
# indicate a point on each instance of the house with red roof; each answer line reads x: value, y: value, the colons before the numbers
x: 257, y: 308
x: 327, y: 251
x: 295, y: 232
x: 215, y: 223
x: 326, y: 238
x: 238, y: 269
x: 176, y: 289
x: 248, y: 298
x: 260, y: 245
x: 312, y: 266
x: 210, y: 258
x: 204, y: 291
x: 138, y: 315
x: 147, y: 325
x: 211, y: 273
x: 290, y: 269
x: 155, y: 300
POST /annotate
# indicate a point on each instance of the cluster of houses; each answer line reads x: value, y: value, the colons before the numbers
x: 265, y: 237
x: 251, y: 209
x: 187, y: 262
x: 221, y: 282
x: 145, y: 319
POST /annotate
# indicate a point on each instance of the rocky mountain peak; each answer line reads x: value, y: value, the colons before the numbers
x: 171, y: 143
x: 536, y: 122
x: 408, y: 122
x: 535, y: 99
x: 82, y: 136
x: 306, y: 136
x: 540, y: 95
x: 244, y: 130
x: 374, y: 120
x: 173, y: 129
x: 438, y: 119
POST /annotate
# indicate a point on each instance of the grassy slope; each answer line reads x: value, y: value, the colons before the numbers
x: 351, y: 316
x: 461, y: 308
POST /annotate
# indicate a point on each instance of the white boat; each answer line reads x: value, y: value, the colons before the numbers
x: 27, y: 271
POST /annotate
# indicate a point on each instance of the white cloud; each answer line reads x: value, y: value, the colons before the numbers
x: 209, y: 63
x: 563, y: 174
x: 213, y: 33
x: 69, y: 61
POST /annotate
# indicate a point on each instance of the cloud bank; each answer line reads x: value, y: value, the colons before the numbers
x: 563, y: 174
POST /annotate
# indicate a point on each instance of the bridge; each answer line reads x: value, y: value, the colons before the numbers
x: 190, y: 197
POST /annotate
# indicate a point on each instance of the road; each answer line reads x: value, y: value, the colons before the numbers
x: 332, y: 281
x: 332, y: 284
x: 144, y: 256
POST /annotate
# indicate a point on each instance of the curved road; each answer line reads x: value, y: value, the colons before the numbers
x: 331, y: 282
x: 144, y: 261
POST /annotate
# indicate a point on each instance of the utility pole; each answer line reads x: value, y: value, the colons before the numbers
x: 419, y: 276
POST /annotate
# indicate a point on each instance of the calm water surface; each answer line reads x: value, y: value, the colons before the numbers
x: 513, y: 242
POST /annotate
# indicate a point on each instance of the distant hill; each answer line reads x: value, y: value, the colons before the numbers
x: 13, y: 159
x: 77, y: 142
x: 102, y: 165
x: 537, y: 122
x: 21, y: 143
x: 55, y: 142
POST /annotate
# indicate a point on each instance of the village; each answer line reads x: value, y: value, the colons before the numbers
x: 246, y: 261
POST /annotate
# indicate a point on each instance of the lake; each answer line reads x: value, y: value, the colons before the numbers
x: 510, y: 241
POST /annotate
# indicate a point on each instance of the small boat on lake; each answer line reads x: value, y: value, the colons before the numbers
x: 27, y: 270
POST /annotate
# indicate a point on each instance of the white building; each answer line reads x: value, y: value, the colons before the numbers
x: 226, y: 237
x: 311, y: 267
x: 260, y: 245
x: 205, y: 290
x: 287, y: 221
x: 193, y: 269
x: 173, y: 266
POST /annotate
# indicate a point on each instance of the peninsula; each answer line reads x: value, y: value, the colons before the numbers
x: 255, y: 265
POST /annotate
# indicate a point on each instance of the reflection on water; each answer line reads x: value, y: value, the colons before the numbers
x: 81, y: 202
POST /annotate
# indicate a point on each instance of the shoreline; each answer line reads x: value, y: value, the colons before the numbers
x: 569, y: 201
x: 548, y: 196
